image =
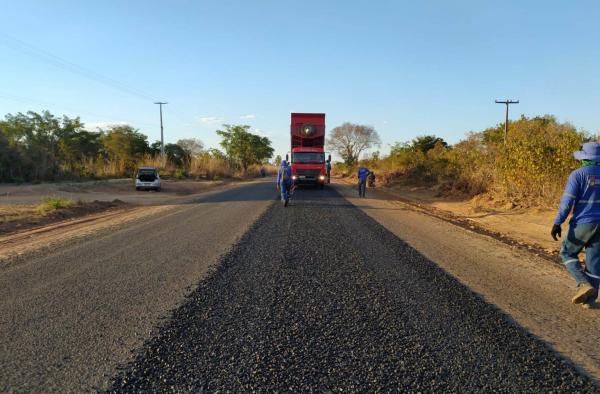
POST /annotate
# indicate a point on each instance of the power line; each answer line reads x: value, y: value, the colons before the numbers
x: 507, y: 102
x: 47, y: 104
x: 65, y: 64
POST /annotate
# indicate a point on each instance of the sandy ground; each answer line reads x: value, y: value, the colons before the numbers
x: 532, y: 290
x: 22, y: 242
x: 528, y: 226
x: 106, y: 190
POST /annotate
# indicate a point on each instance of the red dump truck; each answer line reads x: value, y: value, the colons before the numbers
x: 308, y: 149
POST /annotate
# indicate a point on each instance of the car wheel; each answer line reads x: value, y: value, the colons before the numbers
x: 137, y: 189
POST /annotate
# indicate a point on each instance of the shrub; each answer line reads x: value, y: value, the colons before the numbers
x: 50, y: 204
x: 530, y: 169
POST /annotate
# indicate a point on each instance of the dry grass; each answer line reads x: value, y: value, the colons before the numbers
x: 9, y: 213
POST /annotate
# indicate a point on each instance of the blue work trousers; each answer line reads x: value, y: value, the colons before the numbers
x: 284, y: 187
x: 586, y: 235
x: 362, y: 188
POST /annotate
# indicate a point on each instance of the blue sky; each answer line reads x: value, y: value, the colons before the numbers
x: 405, y: 67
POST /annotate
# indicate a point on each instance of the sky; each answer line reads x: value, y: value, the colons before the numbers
x: 407, y: 68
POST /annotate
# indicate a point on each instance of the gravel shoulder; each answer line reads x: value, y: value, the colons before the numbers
x: 320, y: 297
x: 532, y: 289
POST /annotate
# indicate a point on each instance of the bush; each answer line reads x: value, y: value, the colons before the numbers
x: 180, y: 173
x: 50, y: 204
x: 531, y: 169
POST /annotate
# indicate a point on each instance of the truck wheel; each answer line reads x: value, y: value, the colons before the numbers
x: 321, y: 186
x: 137, y: 189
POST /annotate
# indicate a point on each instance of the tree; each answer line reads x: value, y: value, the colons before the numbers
x: 243, y: 147
x: 124, y: 145
x: 193, y: 146
x: 425, y: 143
x: 278, y: 160
x: 350, y: 140
x: 177, y: 155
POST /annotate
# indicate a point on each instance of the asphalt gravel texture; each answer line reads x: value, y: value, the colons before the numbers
x: 320, y: 297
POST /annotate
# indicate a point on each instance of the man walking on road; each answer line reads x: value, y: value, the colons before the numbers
x: 328, y: 169
x: 284, y: 182
x: 582, y: 195
x: 363, y: 174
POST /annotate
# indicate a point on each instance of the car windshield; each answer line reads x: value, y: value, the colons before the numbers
x: 147, y: 172
x: 308, y: 157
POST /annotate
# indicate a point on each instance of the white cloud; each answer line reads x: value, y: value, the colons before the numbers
x: 212, y: 119
x: 104, y: 125
x: 262, y: 133
x: 249, y: 116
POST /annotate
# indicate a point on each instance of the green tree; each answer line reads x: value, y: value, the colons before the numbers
x: 349, y: 140
x: 177, y: 155
x: 36, y: 144
x: 125, y: 146
x: 243, y: 147
x: 424, y: 143
x: 278, y: 160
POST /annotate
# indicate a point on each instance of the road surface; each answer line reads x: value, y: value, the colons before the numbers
x: 317, y: 296
x: 69, y: 316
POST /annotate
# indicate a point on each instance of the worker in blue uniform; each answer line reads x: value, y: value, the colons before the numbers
x: 582, y: 196
x: 328, y: 170
x: 363, y: 174
x: 284, y: 182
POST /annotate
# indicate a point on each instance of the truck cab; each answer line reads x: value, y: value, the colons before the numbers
x: 308, y: 143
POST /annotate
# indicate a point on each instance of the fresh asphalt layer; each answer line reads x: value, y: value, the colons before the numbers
x: 71, y: 314
x: 320, y: 297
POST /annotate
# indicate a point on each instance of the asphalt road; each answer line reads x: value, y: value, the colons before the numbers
x: 70, y: 316
x: 320, y: 297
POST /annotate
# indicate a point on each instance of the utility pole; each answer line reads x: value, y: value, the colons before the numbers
x: 507, y: 102
x: 162, y: 138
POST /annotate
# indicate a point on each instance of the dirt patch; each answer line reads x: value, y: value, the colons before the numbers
x: 527, y: 228
x: 24, y: 217
x: 107, y: 190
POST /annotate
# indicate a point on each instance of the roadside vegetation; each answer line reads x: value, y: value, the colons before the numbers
x: 50, y: 204
x: 36, y: 147
x: 529, y: 170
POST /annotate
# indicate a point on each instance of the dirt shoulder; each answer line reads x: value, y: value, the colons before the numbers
x: 16, y: 218
x: 97, y: 206
x: 105, y: 190
x: 528, y: 228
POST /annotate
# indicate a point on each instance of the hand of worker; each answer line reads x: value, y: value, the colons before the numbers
x: 556, y: 230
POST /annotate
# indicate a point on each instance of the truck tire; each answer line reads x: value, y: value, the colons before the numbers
x: 321, y: 186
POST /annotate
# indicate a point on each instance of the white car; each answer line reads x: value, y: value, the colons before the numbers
x: 147, y: 178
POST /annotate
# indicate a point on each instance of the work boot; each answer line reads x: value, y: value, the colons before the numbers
x: 585, y: 290
x: 287, y: 200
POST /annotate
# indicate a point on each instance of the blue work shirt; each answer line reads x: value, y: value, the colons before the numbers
x: 582, y: 193
x: 287, y: 169
x: 362, y: 174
